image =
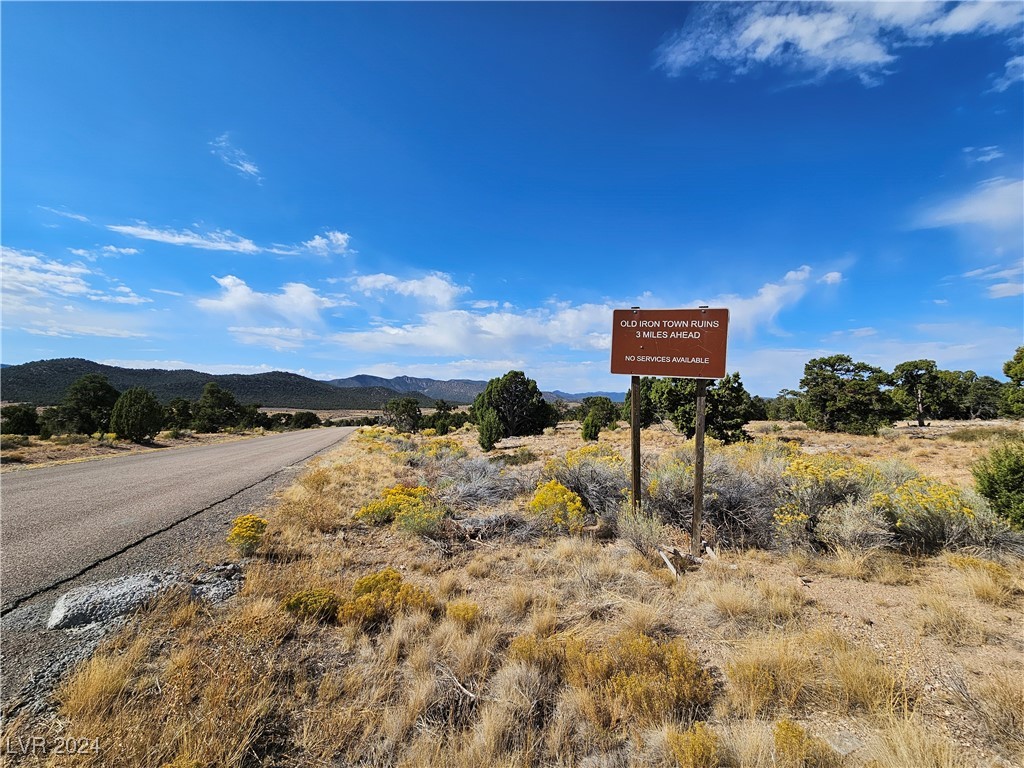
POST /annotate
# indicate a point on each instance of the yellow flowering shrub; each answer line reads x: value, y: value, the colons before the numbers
x: 410, y: 508
x: 463, y: 612
x: 697, y: 747
x: 926, y: 515
x: 558, y: 506
x: 443, y: 448
x: 378, y: 597
x: 246, y: 533
x: 796, y: 748
x: 593, y: 453
x: 320, y: 604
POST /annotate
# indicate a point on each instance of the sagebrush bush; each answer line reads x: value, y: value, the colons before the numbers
x: 559, y: 507
x: 999, y: 477
x: 474, y: 483
x: 597, y: 474
x: 246, y: 533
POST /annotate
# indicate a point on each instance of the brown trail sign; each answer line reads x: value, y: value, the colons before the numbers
x: 677, y: 343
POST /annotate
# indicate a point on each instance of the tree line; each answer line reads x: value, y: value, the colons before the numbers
x: 93, y: 405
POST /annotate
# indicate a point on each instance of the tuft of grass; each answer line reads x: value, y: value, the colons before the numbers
x: 998, y: 701
x: 908, y: 743
x: 950, y: 621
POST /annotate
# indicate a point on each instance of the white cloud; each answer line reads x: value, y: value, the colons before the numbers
x: 860, y: 39
x: 65, y: 214
x: 57, y: 329
x: 997, y: 204
x: 28, y: 274
x: 234, y: 157
x: 1006, y: 281
x: 749, y: 314
x: 331, y: 242
x: 983, y: 154
x: 831, y: 278
x: 437, y: 287
x: 560, y: 325
x: 166, y: 293
x: 296, y: 303
x: 1014, y: 73
x: 217, y: 240
x: 277, y: 338
x: 112, y: 249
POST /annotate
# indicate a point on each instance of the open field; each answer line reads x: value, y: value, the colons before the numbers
x: 510, y: 631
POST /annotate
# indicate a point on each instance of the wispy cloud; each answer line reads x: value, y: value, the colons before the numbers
x: 211, y: 241
x: 437, y: 287
x: 859, y: 39
x: 996, y: 203
x: 235, y: 157
x: 1014, y: 73
x: 331, y: 242
x: 831, y: 278
x: 982, y: 154
x: 278, y: 339
x: 165, y: 292
x: 1005, y: 281
x: 65, y: 214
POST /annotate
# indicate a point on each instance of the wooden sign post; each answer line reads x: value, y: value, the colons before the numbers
x: 677, y: 343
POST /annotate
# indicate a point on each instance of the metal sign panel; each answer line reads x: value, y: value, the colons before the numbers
x: 681, y: 343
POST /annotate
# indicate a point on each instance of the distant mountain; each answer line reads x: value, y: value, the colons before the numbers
x: 615, y: 397
x: 455, y: 391
x: 44, y: 383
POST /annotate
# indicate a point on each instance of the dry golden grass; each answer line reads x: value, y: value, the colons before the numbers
x: 552, y: 651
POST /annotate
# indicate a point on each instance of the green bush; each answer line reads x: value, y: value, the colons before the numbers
x: 20, y: 419
x: 591, y: 427
x: 137, y: 416
x: 999, y: 477
x: 490, y: 429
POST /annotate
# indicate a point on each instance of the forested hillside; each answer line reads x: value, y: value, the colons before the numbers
x: 44, y: 382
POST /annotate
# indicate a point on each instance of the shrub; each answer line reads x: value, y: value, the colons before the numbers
x: 247, y: 533
x: 19, y: 419
x: 137, y: 415
x: 558, y: 506
x: 796, y: 748
x: 591, y: 427
x: 393, y: 501
x: 490, y: 430
x: 476, y: 482
x: 378, y: 597
x: 320, y: 604
x: 697, y: 747
x: 465, y: 613
x: 597, y: 474
x: 999, y: 477
x: 925, y: 515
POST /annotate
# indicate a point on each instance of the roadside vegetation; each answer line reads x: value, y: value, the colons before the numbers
x: 486, y: 596
x: 416, y: 601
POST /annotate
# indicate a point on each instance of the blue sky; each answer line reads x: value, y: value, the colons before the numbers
x: 456, y: 190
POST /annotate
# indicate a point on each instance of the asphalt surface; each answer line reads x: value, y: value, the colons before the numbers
x: 59, y: 523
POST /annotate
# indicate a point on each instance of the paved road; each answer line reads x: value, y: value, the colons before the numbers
x: 59, y: 521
